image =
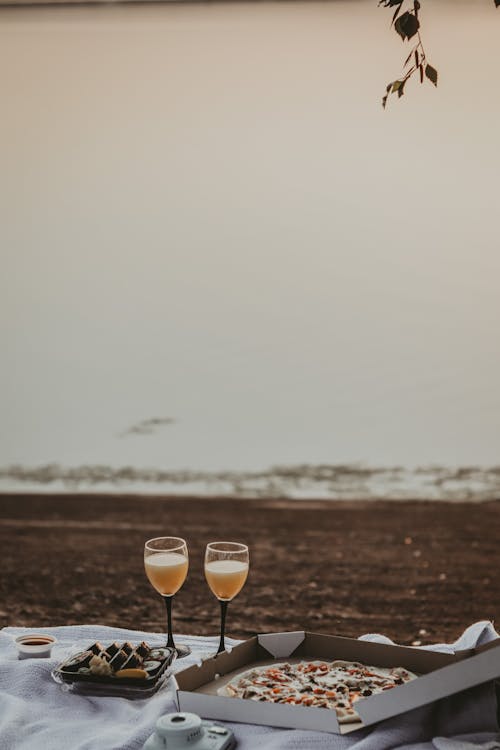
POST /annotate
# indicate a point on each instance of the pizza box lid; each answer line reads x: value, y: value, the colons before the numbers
x: 441, y: 675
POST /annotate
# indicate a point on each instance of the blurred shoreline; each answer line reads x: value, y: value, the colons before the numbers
x: 298, y: 482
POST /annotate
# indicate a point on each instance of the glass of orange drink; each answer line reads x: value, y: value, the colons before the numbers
x: 166, y: 563
x: 226, y: 570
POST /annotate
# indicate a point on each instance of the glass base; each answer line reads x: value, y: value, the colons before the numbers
x: 182, y: 651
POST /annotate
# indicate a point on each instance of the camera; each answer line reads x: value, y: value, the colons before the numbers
x: 184, y: 730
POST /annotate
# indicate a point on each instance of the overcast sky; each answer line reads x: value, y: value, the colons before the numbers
x: 207, y: 216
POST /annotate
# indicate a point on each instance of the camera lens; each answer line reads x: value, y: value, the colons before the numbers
x: 182, y: 726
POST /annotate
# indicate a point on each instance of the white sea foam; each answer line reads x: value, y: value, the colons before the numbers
x: 332, y: 482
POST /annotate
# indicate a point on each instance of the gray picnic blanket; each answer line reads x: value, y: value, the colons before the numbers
x: 37, y: 714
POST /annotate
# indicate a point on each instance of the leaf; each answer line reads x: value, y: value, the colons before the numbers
x: 407, y: 25
x: 432, y: 73
x: 421, y: 69
x: 396, y: 86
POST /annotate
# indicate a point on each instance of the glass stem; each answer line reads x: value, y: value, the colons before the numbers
x: 168, y: 604
x: 223, y: 610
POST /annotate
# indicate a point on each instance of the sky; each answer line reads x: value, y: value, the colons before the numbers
x: 208, y: 217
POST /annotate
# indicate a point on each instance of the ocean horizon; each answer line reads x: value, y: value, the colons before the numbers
x: 300, y: 482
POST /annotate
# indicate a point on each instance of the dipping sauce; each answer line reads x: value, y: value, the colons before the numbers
x: 34, y: 645
x: 36, y: 641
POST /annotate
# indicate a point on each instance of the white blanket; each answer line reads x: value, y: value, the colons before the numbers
x: 37, y: 714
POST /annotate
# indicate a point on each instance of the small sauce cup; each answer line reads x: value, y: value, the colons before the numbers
x: 34, y: 645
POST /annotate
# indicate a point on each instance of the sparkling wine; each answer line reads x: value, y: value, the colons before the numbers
x: 166, y: 571
x: 226, y: 578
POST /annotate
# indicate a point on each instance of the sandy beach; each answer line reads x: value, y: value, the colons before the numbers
x: 417, y: 571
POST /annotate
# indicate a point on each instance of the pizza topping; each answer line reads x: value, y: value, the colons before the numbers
x: 334, y: 685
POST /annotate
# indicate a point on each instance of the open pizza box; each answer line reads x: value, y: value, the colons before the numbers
x: 439, y: 675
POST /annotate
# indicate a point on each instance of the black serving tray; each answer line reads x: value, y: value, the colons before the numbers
x: 131, y: 687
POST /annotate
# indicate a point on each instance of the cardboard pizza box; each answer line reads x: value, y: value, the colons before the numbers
x: 440, y: 675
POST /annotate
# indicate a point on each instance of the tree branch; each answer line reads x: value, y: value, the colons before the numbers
x: 406, y: 23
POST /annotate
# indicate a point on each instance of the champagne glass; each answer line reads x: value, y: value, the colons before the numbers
x: 226, y: 570
x: 166, y: 563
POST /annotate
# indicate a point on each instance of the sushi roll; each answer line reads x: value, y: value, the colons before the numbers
x: 96, y: 648
x: 151, y: 666
x: 160, y: 653
x: 113, y: 649
x: 78, y: 661
x: 133, y: 662
x: 127, y: 647
x: 142, y: 649
x: 119, y: 660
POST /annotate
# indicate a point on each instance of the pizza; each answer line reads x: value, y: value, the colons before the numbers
x: 320, y: 684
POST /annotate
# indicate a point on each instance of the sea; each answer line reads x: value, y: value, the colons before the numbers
x: 227, y: 270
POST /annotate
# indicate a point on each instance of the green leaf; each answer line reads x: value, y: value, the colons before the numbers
x: 432, y: 73
x: 407, y: 25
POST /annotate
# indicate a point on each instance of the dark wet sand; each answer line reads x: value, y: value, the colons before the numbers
x: 418, y: 571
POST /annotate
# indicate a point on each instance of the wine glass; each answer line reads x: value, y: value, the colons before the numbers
x: 226, y: 570
x: 166, y: 563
